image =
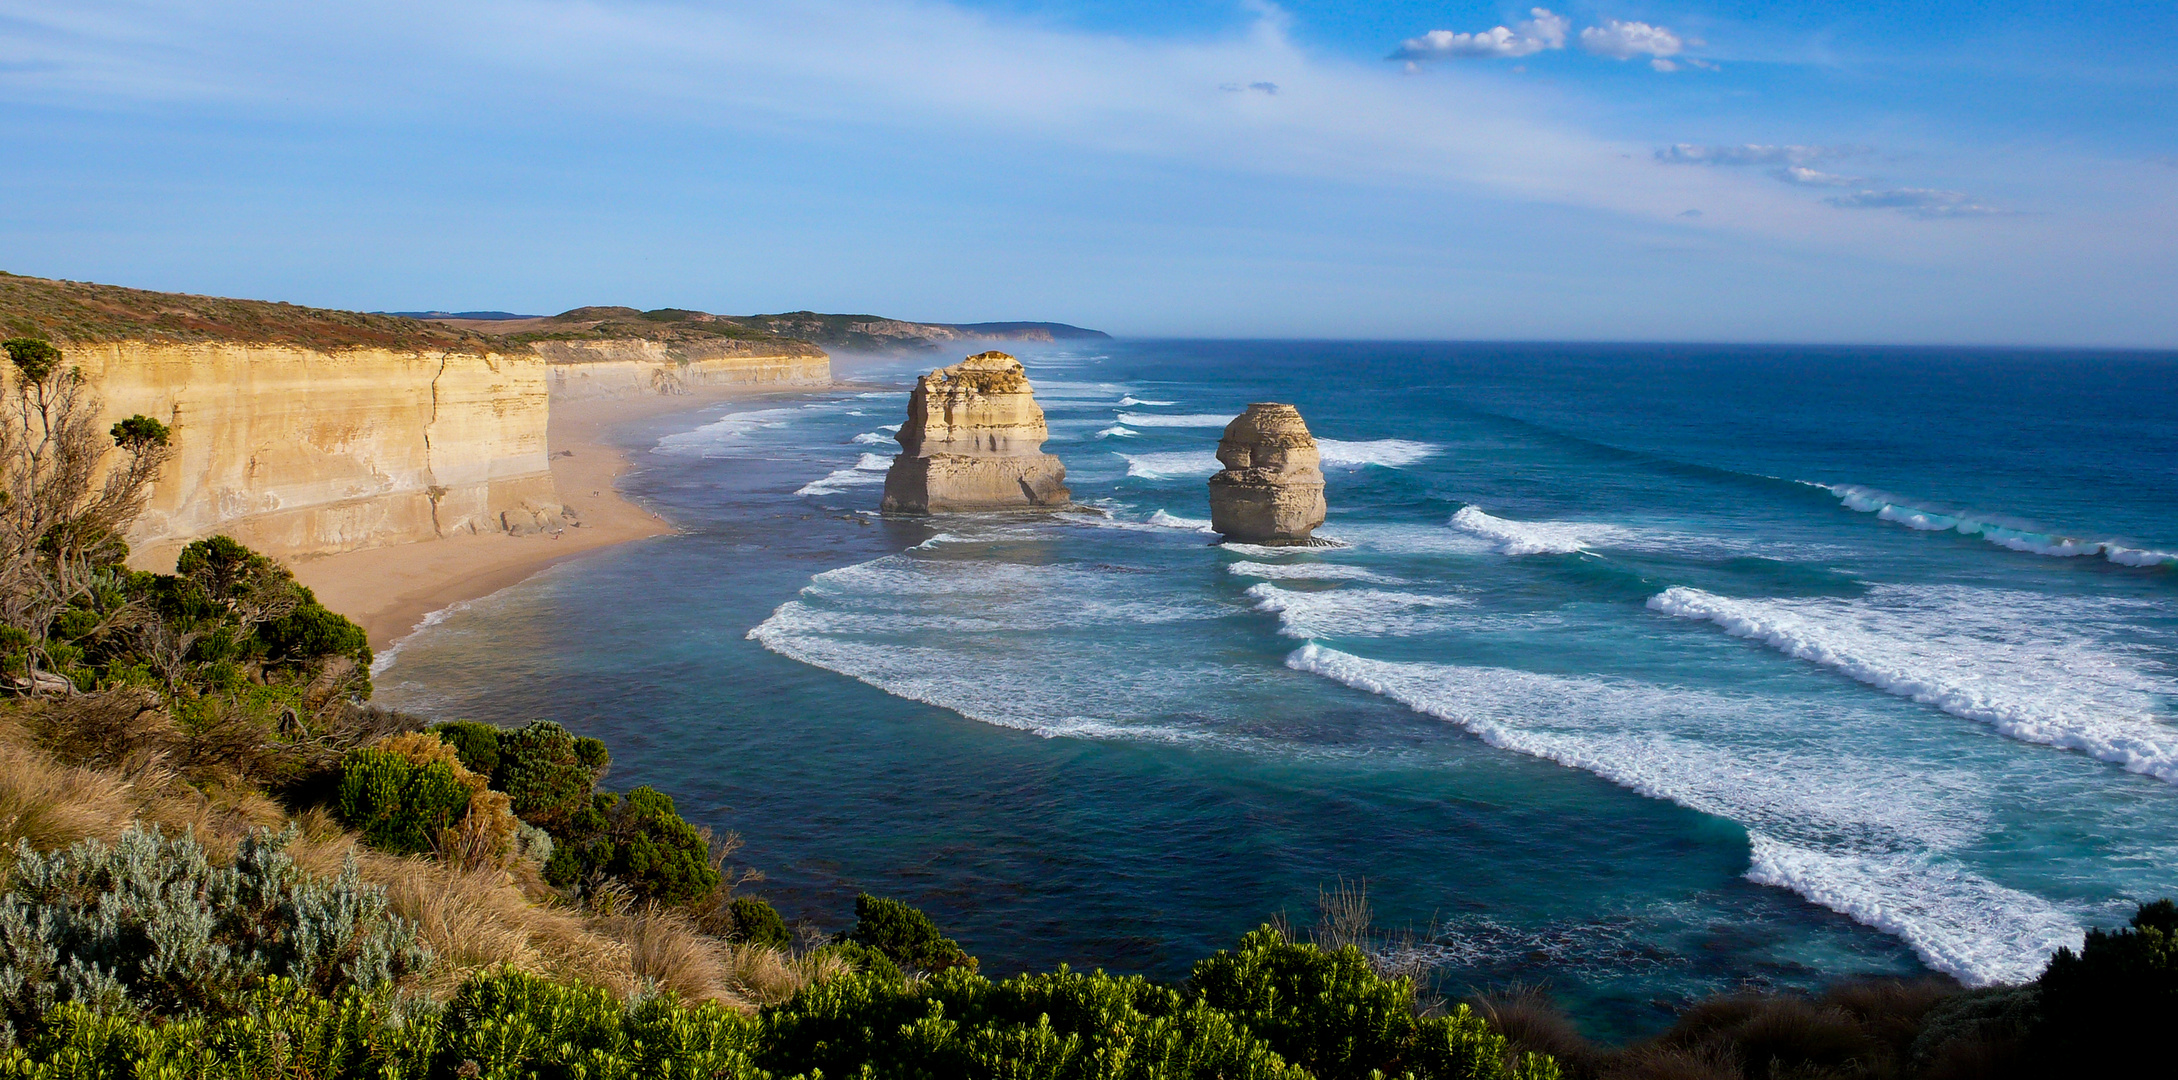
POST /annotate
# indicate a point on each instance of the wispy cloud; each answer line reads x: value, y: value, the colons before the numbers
x: 1917, y: 202
x: 1806, y: 177
x: 1752, y: 154
x: 1543, y: 31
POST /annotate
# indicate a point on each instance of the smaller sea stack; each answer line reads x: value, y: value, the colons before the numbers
x: 974, y: 441
x: 1271, y: 491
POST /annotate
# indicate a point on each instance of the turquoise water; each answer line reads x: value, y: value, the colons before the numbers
x: 1644, y: 672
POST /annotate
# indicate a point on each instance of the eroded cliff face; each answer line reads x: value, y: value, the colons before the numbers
x: 1271, y: 490
x: 973, y: 441
x: 298, y: 451
x: 633, y: 367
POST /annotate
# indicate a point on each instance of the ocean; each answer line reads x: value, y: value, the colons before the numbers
x: 1641, y: 673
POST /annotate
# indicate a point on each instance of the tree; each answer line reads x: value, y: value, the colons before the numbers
x: 59, y: 527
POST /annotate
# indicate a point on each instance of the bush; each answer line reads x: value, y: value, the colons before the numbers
x: 643, y: 843
x: 2098, y: 1004
x: 758, y: 923
x: 959, y: 1024
x: 1332, y: 1014
x: 149, y: 927
x: 548, y: 773
x: 476, y: 744
x: 399, y: 806
x: 507, y: 1023
x: 905, y: 936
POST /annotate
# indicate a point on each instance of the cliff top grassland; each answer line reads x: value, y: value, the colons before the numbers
x: 666, y: 325
x: 77, y: 312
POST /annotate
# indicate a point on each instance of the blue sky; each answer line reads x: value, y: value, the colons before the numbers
x: 1878, y: 172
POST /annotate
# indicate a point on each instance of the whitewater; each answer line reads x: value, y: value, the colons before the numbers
x: 1623, y: 657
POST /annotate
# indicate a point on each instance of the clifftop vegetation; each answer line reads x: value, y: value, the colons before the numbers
x: 77, y: 312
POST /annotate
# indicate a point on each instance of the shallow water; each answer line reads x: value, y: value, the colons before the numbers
x: 1647, y: 672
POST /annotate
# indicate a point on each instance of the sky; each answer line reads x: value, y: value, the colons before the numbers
x: 1652, y: 170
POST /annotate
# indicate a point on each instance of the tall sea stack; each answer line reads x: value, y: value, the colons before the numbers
x: 974, y: 441
x: 1271, y: 491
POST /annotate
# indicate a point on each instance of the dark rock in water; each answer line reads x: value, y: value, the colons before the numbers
x: 974, y: 441
x: 1271, y: 491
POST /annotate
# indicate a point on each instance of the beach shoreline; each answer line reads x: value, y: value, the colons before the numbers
x: 390, y: 590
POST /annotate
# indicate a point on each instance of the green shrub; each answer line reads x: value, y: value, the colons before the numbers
x: 283, y: 1033
x: 905, y: 936
x: 398, y: 805
x: 548, y: 773
x: 149, y: 927
x: 2098, y: 1002
x: 1331, y: 1013
x: 512, y: 1024
x: 476, y: 744
x: 640, y: 841
x: 312, y: 633
x: 959, y: 1024
x: 758, y: 923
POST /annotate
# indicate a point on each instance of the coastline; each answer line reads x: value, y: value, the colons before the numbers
x: 390, y: 590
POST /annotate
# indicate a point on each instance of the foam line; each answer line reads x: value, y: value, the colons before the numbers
x: 1970, y: 653
x: 1171, y: 464
x: 1174, y: 521
x: 1190, y: 420
x: 1531, y: 537
x: 1861, y: 835
x: 1130, y: 401
x: 716, y: 438
x: 1309, y: 571
x: 1312, y: 614
x: 1115, y: 431
x: 1384, y: 453
x: 2014, y: 537
x: 868, y: 469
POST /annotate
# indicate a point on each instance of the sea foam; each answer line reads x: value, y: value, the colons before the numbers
x: 869, y: 469
x: 1860, y: 834
x: 1532, y: 537
x: 2016, y: 536
x: 2016, y: 661
x: 1333, y: 613
x: 1192, y: 420
x: 719, y: 437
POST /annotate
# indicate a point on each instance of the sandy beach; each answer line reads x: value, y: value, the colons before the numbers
x: 389, y: 590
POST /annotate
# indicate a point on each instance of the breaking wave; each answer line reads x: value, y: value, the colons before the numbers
x: 1115, y: 431
x: 1309, y: 571
x: 1532, y: 537
x: 873, y: 438
x: 1171, y: 464
x: 869, y: 469
x: 1216, y: 420
x: 1353, y: 612
x: 1388, y: 453
x: 2015, y: 536
x: 1174, y: 521
x: 1865, y: 836
x: 1131, y: 401
x: 717, y: 438
x: 1978, y: 654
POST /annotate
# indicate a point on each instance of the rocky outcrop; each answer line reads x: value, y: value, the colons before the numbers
x: 301, y: 451
x: 974, y: 441
x: 1271, y: 491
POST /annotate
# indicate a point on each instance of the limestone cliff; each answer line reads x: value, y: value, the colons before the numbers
x: 973, y: 441
x: 1271, y: 490
x: 304, y: 431
x: 297, y: 451
x: 631, y: 367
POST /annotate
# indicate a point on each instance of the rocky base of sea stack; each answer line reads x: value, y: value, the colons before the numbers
x: 1271, y: 491
x: 967, y: 483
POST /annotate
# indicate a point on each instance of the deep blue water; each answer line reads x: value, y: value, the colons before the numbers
x: 1647, y: 672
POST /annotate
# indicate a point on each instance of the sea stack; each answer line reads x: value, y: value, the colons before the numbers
x: 974, y: 441
x: 1271, y: 491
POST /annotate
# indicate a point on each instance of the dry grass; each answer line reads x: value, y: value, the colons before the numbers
x: 470, y: 917
x: 1531, y: 1021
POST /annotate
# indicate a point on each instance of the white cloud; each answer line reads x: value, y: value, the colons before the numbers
x: 1919, y: 202
x: 1625, y: 40
x: 1751, y: 154
x: 1806, y: 177
x: 1544, y: 31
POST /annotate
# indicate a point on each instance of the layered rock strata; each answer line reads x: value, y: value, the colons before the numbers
x: 301, y: 451
x: 635, y: 367
x: 974, y: 441
x: 1271, y: 490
